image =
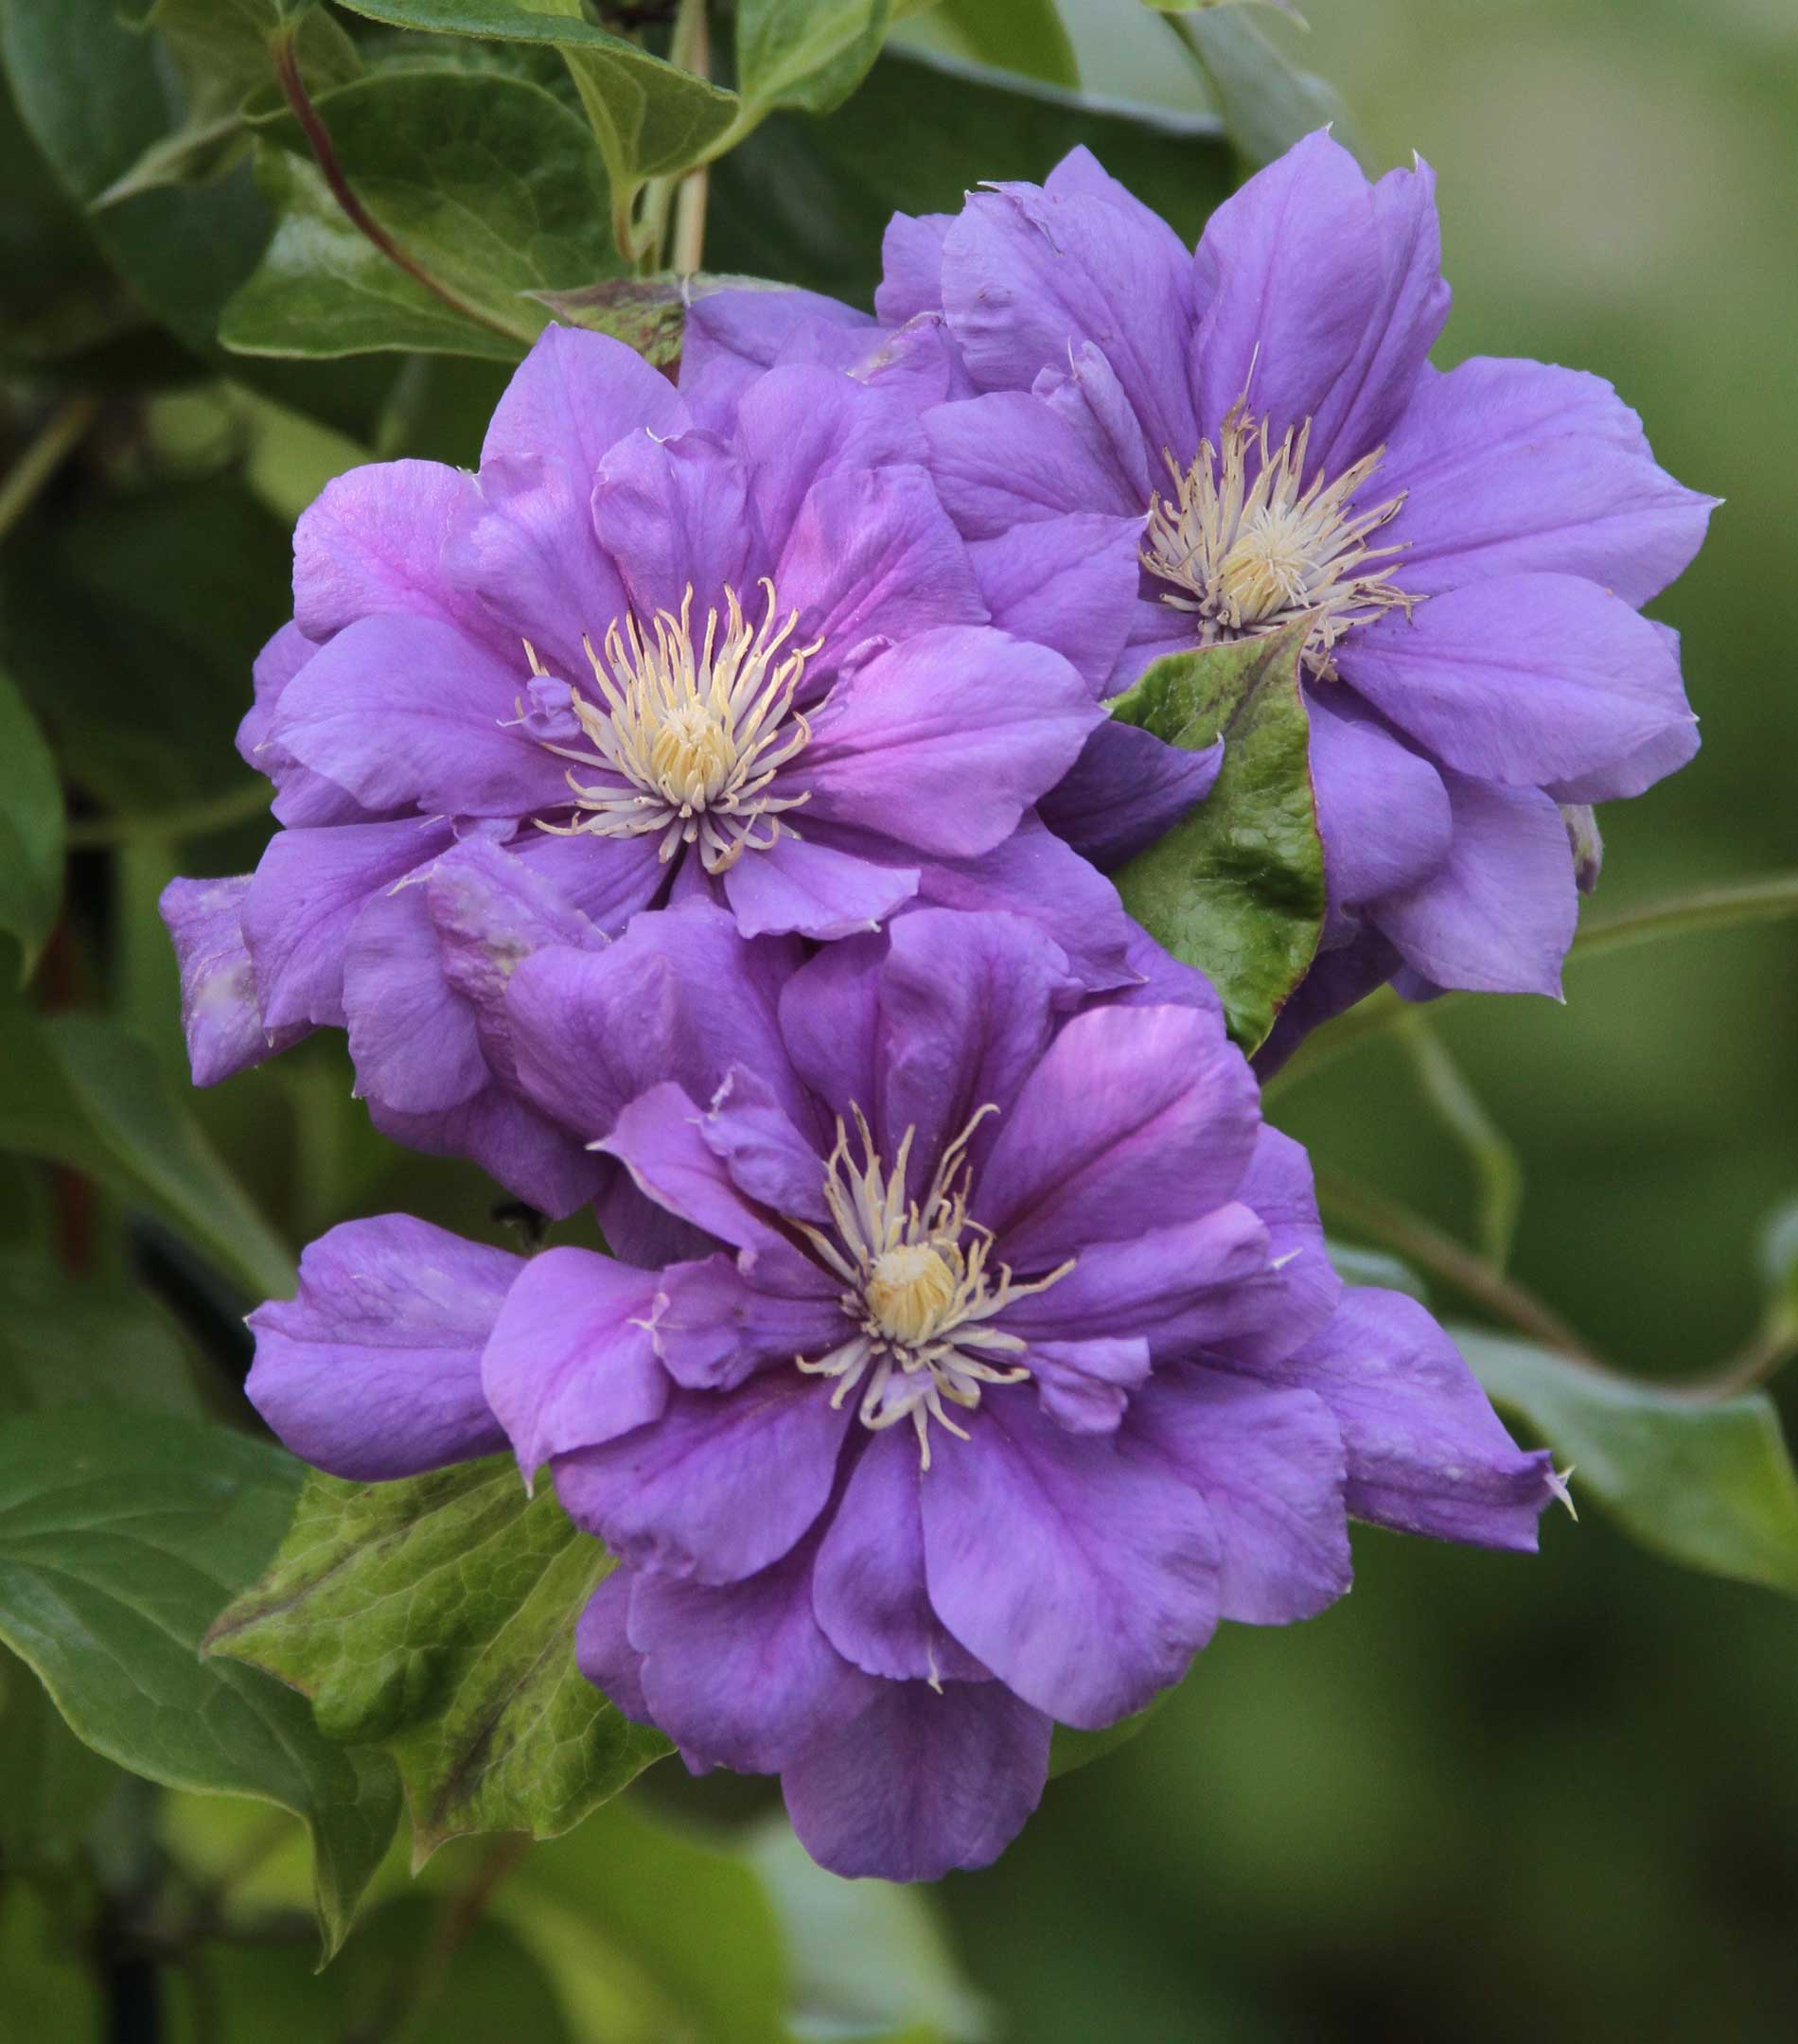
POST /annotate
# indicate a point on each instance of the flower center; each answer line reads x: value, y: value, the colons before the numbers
x: 919, y: 1288
x: 689, y: 736
x: 1245, y: 543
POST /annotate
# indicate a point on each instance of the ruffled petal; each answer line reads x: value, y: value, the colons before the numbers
x: 413, y: 1038
x: 1067, y: 583
x: 1382, y: 809
x: 1008, y: 459
x: 603, y: 1652
x: 372, y: 1370
x: 672, y: 514
x: 809, y: 888
x: 1126, y: 789
x: 574, y: 395
x: 219, y: 1013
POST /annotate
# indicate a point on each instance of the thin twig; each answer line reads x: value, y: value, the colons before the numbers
x: 192, y: 820
x: 59, y: 435
x: 691, y: 51
x: 287, y: 68
x: 1498, y: 1171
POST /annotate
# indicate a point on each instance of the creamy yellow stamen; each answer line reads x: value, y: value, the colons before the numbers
x: 1250, y: 552
x: 696, y: 731
x: 920, y: 1288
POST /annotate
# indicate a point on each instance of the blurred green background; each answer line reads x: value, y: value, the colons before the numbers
x: 1485, y: 1797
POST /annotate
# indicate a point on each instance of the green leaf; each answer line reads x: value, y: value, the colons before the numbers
x: 75, y: 1089
x: 1267, y: 103
x: 437, y: 1618
x: 120, y: 1536
x: 1355, y: 1265
x: 487, y: 182
x: 83, y: 1341
x: 1237, y: 887
x: 1017, y: 35
x: 808, y: 199
x: 646, y: 313
x: 52, y: 1785
x: 223, y: 51
x: 1070, y: 1748
x: 810, y: 54
x: 31, y: 829
x: 1705, y: 1481
x: 651, y: 119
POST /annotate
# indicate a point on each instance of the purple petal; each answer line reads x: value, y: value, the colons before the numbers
x: 731, y: 336
x: 919, y: 1783
x: 374, y: 1369
x: 219, y: 1013
x: 869, y: 1588
x: 574, y: 395
x: 672, y: 514
x: 912, y: 266
x: 531, y: 1156
x: 1008, y: 459
x: 1067, y: 583
x: 1521, y: 679
x: 808, y: 889
x: 741, y: 1672
x: 1269, y: 1463
x: 1080, y: 1568
x: 718, y: 1488
x: 830, y: 1023
x: 1500, y: 914
x: 570, y: 1361
x: 302, y: 799
x: 1085, y: 1386
x: 1126, y: 789
x: 713, y: 1329
x: 1515, y: 467
x: 405, y: 712
x: 1426, y: 1452
x: 603, y: 1652
x: 308, y: 891
x: 1135, y: 1116
x: 609, y: 880
x: 1382, y: 810
x: 769, y: 1160
x: 799, y: 423
x: 943, y: 742
x: 412, y: 1037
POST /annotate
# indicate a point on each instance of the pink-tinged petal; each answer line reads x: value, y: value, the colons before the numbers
x: 1034, y: 875
x: 740, y: 1672
x: 533, y: 1157
x: 1028, y: 274
x: 912, y: 266
x: 769, y: 1160
x: 570, y: 1361
x: 809, y: 888
x: 1269, y: 1462
x: 920, y: 1783
x: 374, y: 1369
x: 1290, y: 281
x: 1382, y: 809
x: 603, y: 1652
x: 1136, y: 1117
x: 1080, y: 1568
x: 1521, y: 679
x: 374, y: 541
x: 1499, y: 915
x: 679, y: 995
x: 1126, y: 789
x: 801, y: 422
x: 672, y: 514
x: 943, y: 742
x: 871, y: 556
x: 307, y: 889
x: 219, y: 1013
x: 413, y: 1038
x: 576, y: 393
x: 405, y: 712
x: 531, y: 555
x: 720, y: 1487
x: 1067, y: 583
x: 1008, y: 459
x: 1516, y: 467
x: 1085, y: 1386
x: 868, y: 1587
x: 1426, y: 1452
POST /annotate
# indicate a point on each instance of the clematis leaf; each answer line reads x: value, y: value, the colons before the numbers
x: 31, y: 829
x: 1237, y: 887
x: 809, y: 54
x: 485, y: 181
x: 120, y: 1534
x: 79, y: 1342
x: 1267, y: 103
x: 1707, y: 1482
x: 1070, y: 1748
x: 77, y: 1089
x: 435, y: 1617
x: 650, y: 117
x: 808, y: 199
x: 1019, y: 35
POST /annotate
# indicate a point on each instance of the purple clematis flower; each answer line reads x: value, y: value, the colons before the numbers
x: 633, y: 660
x: 1001, y: 1361
x: 1472, y: 549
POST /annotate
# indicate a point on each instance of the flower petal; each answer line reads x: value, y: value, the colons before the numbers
x: 1008, y: 459
x: 1067, y: 583
x: 801, y: 422
x: 1382, y: 809
x: 372, y: 1370
x: 219, y: 1013
x: 574, y: 395
x: 413, y: 1038
x: 809, y: 889
x: 603, y: 1652
x: 672, y: 514
x: 1126, y: 789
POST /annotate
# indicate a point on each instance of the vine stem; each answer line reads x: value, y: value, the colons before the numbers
x: 317, y: 137
x: 691, y: 51
x: 193, y: 819
x: 59, y: 435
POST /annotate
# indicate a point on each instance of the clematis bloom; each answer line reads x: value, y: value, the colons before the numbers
x: 999, y: 1361
x: 631, y: 661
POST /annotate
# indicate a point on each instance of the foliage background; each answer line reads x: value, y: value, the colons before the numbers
x: 1482, y: 1798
